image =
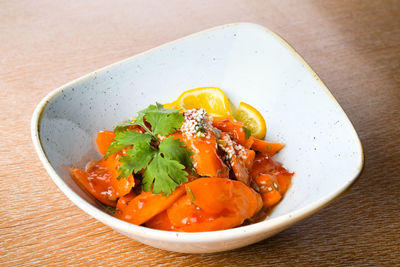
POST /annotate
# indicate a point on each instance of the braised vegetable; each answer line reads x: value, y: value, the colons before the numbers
x: 101, y: 180
x: 233, y: 202
x: 183, y: 171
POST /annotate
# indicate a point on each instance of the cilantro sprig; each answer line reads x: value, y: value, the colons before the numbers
x: 163, y: 162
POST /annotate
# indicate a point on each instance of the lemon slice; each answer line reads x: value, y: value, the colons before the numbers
x: 212, y: 99
x: 252, y: 119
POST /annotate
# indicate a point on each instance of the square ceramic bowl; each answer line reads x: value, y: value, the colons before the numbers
x: 251, y: 64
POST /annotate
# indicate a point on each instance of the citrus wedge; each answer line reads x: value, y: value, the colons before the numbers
x: 211, y: 99
x: 252, y: 119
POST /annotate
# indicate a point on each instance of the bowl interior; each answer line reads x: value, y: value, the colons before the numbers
x: 250, y: 64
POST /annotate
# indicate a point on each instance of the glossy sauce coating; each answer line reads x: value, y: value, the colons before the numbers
x: 240, y: 183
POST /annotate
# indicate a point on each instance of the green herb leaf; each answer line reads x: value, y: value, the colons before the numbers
x: 164, y: 121
x: 140, y: 118
x: 132, y: 138
x: 247, y: 132
x: 123, y: 126
x: 125, y: 139
x: 163, y: 162
x: 136, y: 159
x: 166, y: 174
x: 113, y: 148
x: 175, y: 149
x: 268, y: 147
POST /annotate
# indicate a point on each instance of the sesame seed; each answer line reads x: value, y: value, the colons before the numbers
x: 197, y: 123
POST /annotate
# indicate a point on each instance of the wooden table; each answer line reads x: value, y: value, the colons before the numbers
x: 353, y: 45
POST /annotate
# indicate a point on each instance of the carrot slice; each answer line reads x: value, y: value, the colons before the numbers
x: 147, y: 205
x: 101, y: 180
x: 187, y: 217
x: 96, y: 187
x: 266, y: 147
x: 235, y: 128
x: 248, y: 158
x: 284, y: 181
x: 160, y: 222
x: 272, y: 179
x: 103, y: 140
x: 268, y: 186
x: 228, y: 196
x: 205, y: 159
x: 271, y: 198
x: 121, y: 186
x: 269, y: 189
x: 231, y: 203
x: 184, y: 212
x: 219, y: 223
x: 263, y: 164
x: 124, y: 201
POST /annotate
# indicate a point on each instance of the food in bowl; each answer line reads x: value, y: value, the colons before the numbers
x: 188, y: 166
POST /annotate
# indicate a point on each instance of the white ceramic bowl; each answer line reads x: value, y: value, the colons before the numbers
x: 251, y: 64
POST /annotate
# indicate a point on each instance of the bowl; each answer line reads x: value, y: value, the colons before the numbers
x: 251, y: 64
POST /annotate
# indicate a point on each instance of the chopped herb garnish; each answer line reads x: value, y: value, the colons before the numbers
x: 200, y: 128
x: 163, y: 161
x: 223, y: 171
x: 110, y: 210
x: 247, y: 132
x: 190, y: 193
x: 268, y: 147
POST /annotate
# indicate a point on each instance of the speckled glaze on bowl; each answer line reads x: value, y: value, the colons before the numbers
x: 251, y: 64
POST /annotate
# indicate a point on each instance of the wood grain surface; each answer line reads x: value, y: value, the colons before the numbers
x: 353, y: 45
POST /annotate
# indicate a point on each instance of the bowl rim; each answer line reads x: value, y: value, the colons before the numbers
x: 271, y: 224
